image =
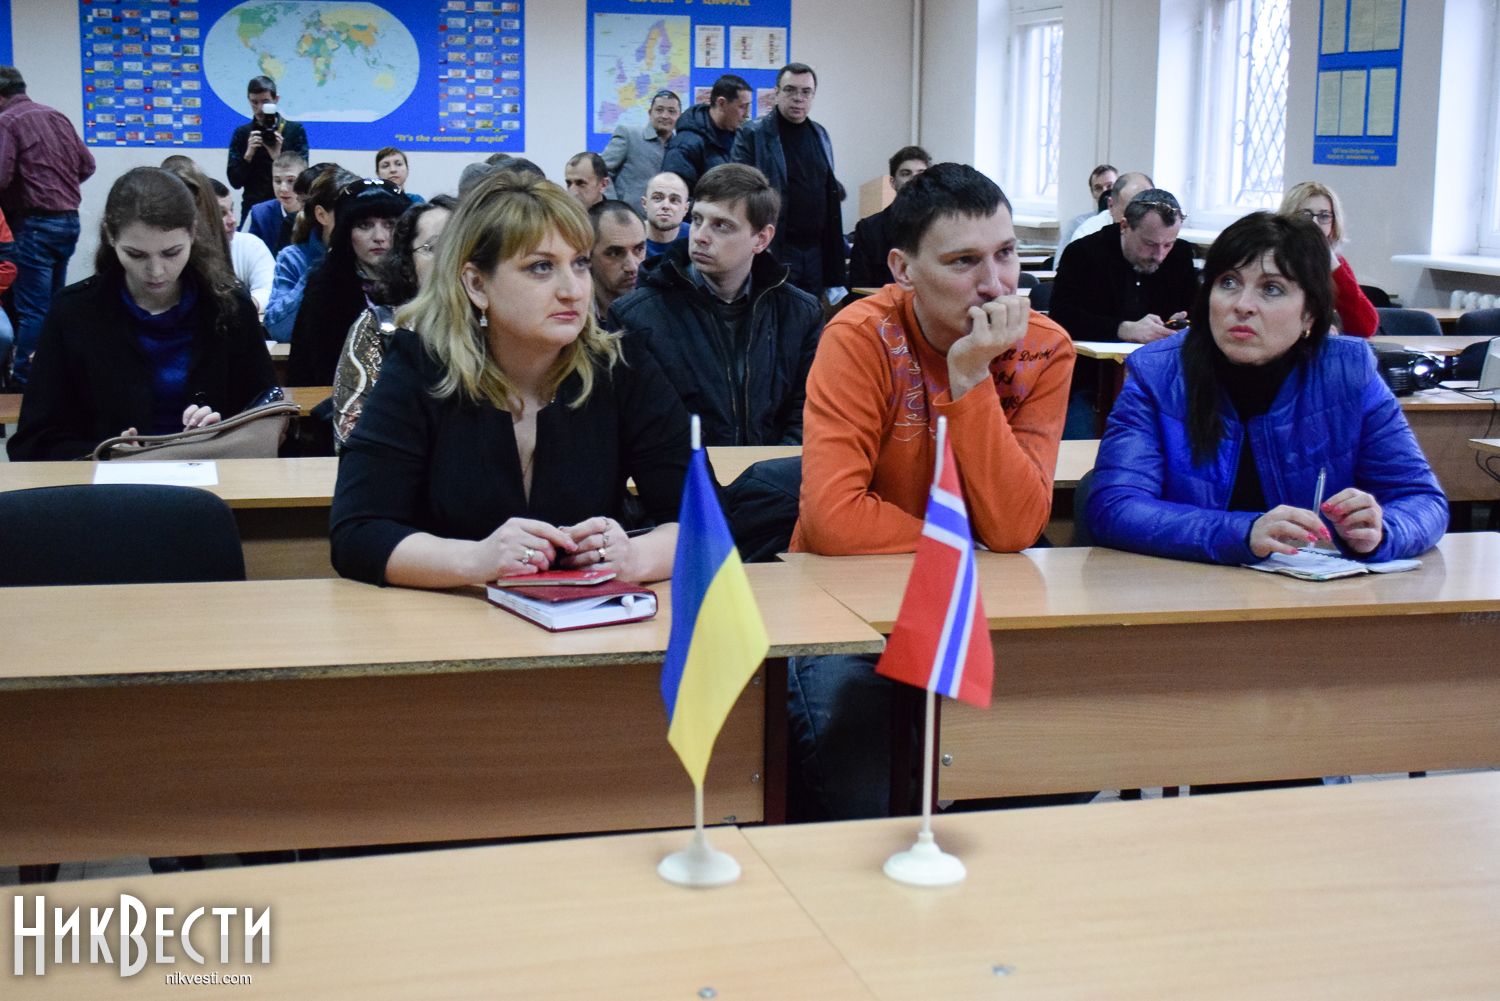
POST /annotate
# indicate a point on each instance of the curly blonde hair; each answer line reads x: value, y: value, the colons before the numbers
x: 507, y: 215
x: 1297, y: 196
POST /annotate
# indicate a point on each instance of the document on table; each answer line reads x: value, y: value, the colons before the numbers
x: 1320, y: 564
x: 172, y: 474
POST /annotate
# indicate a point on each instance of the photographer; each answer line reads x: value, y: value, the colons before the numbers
x: 256, y: 144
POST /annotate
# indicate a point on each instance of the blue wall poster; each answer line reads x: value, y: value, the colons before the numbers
x: 1359, y: 82
x: 637, y: 47
x: 422, y: 74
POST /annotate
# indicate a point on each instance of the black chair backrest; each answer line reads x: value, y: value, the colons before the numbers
x: 1479, y: 323
x: 1379, y: 297
x: 1028, y: 280
x: 1041, y: 296
x: 1408, y: 323
x: 116, y: 534
x: 762, y: 505
x: 1081, y: 534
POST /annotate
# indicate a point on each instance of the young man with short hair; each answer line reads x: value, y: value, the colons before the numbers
x: 254, y: 147
x: 705, y: 132
x: 666, y: 205
x: 872, y: 241
x: 635, y: 152
x: 250, y: 259
x: 619, y: 249
x: 586, y: 177
x: 950, y: 338
x: 272, y: 220
x: 732, y: 333
x: 391, y: 165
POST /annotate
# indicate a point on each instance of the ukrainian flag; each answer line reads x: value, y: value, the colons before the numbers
x: 718, y: 639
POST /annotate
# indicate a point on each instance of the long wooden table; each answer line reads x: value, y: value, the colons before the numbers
x: 581, y: 918
x: 1119, y: 671
x: 1375, y: 890
x: 1444, y: 421
x: 1445, y: 346
x: 281, y: 505
x: 1485, y: 446
x: 196, y: 718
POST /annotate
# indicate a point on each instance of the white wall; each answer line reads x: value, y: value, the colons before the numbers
x: 863, y: 60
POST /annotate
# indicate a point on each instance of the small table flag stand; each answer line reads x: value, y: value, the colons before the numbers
x: 924, y: 863
x: 699, y: 864
x: 940, y: 643
x: 718, y: 641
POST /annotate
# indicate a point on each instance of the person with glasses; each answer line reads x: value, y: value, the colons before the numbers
x: 401, y: 275
x: 1132, y: 282
x: 1224, y: 436
x: 365, y: 215
x: 796, y: 155
x: 1319, y: 204
x: 635, y: 152
x: 160, y: 339
x: 506, y: 422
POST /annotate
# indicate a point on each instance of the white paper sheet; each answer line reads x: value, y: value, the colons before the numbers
x: 172, y: 474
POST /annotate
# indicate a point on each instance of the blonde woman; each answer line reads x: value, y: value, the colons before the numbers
x: 505, y: 424
x: 1319, y: 204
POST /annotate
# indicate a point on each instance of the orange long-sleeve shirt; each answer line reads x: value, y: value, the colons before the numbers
x: 874, y: 395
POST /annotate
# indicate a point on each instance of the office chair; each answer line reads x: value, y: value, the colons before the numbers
x: 1041, y: 296
x: 1379, y: 297
x: 116, y: 534
x: 1479, y: 323
x: 1408, y: 323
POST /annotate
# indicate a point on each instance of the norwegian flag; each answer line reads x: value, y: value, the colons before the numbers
x: 941, y: 641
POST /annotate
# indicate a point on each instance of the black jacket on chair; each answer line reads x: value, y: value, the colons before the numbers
x: 675, y: 319
x: 90, y: 380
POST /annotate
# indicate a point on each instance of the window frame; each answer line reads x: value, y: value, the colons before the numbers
x: 1024, y: 90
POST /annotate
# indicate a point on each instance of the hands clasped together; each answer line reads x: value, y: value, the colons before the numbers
x: 525, y: 546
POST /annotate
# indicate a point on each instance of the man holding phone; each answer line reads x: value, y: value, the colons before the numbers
x: 255, y: 145
x: 1133, y: 282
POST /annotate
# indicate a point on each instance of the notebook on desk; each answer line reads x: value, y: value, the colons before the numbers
x: 558, y: 608
x: 1321, y: 564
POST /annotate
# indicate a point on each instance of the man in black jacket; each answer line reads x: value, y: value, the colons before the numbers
x: 705, y: 132
x: 254, y: 147
x: 733, y: 335
x: 872, y: 244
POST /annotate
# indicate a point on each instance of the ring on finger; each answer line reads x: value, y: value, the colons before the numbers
x: 603, y: 553
x: 604, y: 539
x: 530, y: 555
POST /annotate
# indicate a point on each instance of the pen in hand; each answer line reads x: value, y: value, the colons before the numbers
x: 1317, y: 507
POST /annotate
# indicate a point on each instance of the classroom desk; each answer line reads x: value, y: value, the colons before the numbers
x: 1445, y: 347
x: 1486, y: 446
x: 1375, y: 890
x: 1118, y: 671
x: 1444, y: 421
x: 581, y: 918
x: 306, y: 397
x: 185, y: 719
x: 280, y: 355
x: 1446, y: 316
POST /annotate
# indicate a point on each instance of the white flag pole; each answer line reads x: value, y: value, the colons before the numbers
x: 700, y: 864
x: 924, y: 863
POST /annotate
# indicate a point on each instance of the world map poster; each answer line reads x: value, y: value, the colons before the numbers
x: 427, y: 75
x: 639, y: 47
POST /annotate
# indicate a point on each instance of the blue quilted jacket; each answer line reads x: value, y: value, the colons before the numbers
x: 1332, y: 412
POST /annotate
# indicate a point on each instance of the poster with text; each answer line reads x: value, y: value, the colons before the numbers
x: 639, y: 47
x: 1359, y: 82
x: 421, y: 74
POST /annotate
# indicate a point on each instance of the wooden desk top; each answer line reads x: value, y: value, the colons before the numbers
x: 1486, y: 446
x: 305, y: 397
x: 1057, y: 588
x: 1116, y: 351
x: 729, y: 461
x: 579, y: 918
x: 279, y: 351
x: 243, y: 483
x: 1380, y: 889
x: 1445, y: 346
x: 1074, y: 458
x: 62, y: 637
x: 1447, y: 400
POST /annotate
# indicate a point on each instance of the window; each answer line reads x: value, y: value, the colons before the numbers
x: 1035, y: 112
x: 1489, y: 227
x: 1242, y: 121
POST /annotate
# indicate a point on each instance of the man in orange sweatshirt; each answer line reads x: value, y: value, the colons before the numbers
x: 949, y: 339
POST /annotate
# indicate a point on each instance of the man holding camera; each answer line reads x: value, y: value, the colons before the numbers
x: 256, y: 144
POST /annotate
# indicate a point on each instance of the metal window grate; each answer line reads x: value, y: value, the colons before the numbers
x: 1262, y: 37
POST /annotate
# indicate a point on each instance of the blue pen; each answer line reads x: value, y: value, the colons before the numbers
x: 1318, y: 493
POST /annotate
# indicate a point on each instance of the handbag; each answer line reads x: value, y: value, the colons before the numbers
x: 255, y: 433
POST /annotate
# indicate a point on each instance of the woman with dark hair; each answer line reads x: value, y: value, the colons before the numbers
x: 1216, y: 444
x: 365, y: 213
x: 161, y: 338
x: 403, y: 272
x: 298, y: 259
x: 506, y: 422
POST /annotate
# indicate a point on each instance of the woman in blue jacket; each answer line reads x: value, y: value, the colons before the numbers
x: 1214, y: 448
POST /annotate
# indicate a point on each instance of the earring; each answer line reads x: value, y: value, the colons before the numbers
x: 484, y: 320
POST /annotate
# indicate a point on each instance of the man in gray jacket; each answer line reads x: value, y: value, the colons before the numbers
x: 796, y: 155
x: 634, y: 153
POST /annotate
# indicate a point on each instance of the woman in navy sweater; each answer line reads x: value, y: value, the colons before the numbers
x: 1215, y: 445
x: 160, y: 339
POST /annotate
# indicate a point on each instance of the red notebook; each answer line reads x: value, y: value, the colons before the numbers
x: 559, y: 607
x: 555, y: 578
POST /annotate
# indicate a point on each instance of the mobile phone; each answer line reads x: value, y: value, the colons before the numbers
x: 1176, y: 324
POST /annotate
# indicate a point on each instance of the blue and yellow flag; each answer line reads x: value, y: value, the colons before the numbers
x: 718, y: 639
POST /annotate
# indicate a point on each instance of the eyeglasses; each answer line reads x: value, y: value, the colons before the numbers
x: 1318, y: 217
x: 359, y: 187
x: 791, y: 91
x: 1170, y: 212
x: 425, y: 249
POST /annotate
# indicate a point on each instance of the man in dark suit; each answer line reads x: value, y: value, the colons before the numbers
x: 872, y: 246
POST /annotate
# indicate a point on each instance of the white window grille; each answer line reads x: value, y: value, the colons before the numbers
x: 1035, y: 108
x: 1242, y: 120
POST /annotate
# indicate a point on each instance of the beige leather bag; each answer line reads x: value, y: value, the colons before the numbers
x: 256, y: 433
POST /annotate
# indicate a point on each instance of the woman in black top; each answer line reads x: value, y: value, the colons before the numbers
x: 365, y: 214
x: 161, y: 338
x: 500, y: 436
